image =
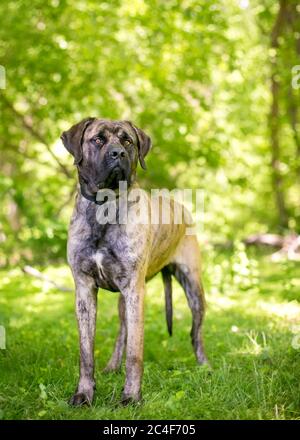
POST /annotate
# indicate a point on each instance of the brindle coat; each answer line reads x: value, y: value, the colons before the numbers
x: 122, y: 257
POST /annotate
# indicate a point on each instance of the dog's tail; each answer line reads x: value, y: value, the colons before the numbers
x: 167, y: 280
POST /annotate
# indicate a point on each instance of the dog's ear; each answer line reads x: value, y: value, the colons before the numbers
x: 144, y: 144
x: 72, y: 138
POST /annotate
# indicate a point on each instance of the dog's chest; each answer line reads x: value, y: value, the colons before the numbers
x: 104, y: 269
x: 101, y: 252
x: 101, y: 262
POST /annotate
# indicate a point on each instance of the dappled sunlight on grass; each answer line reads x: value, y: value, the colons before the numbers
x: 289, y: 311
x: 28, y: 294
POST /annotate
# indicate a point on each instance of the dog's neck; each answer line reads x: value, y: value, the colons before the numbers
x: 93, y: 199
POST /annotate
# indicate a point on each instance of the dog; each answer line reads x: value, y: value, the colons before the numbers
x: 123, y: 257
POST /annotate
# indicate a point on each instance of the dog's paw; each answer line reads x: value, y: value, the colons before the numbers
x: 80, y: 399
x: 131, y: 400
x: 205, y: 366
x: 202, y: 359
x: 112, y: 369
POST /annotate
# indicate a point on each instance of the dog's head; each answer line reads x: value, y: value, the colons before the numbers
x: 106, y: 152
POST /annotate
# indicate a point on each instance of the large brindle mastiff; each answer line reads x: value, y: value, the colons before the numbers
x: 123, y: 257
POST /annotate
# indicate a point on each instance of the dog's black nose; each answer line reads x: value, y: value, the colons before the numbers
x: 117, y: 153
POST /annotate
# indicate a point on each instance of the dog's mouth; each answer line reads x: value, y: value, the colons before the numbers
x: 111, y: 178
x: 116, y: 174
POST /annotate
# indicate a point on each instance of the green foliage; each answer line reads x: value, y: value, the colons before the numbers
x: 195, y: 75
x: 248, y: 335
x: 238, y: 271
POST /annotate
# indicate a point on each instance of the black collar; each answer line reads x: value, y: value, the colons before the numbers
x: 94, y: 198
x: 90, y: 198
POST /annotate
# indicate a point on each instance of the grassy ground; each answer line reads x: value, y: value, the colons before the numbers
x: 252, y: 317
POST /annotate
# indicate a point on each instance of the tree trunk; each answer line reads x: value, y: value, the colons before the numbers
x: 294, y: 27
x: 274, y: 124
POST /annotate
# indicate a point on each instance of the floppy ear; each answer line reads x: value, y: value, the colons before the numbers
x: 144, y: 144
x: 72, y: 139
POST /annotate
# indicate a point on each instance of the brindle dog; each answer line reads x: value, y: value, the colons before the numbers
x: 122, y: 257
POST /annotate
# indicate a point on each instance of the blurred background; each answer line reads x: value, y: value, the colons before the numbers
x: 210, y: 81
x: 216, y: 84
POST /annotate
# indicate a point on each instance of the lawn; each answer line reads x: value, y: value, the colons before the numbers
x: 250, y: 331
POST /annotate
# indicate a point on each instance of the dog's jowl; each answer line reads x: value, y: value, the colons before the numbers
x: 123, y: 256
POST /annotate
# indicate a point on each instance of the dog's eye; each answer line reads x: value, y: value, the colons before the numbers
x: 99, y: 140
x: 127, y: 142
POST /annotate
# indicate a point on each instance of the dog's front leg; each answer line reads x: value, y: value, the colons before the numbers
x: 134, y: 301
x: 86, y: 311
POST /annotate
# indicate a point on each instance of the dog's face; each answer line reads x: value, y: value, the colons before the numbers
x: 105, y: 152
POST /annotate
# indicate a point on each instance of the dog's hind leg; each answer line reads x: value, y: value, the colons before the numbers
x: 115, y: 361
x: 186, y: 269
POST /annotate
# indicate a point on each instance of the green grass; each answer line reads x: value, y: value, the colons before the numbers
x: 252, y: 314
